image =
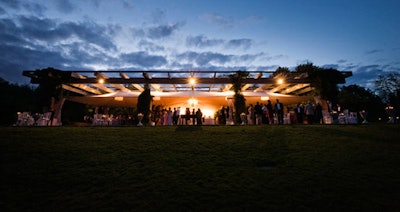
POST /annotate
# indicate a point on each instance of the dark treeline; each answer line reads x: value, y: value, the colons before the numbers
x: 19, y: 98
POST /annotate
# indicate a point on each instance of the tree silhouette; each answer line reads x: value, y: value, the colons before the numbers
x: 356, y: 98
x: 239, y: 103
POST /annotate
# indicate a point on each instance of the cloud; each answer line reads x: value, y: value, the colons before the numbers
x: 374, y: 51
x: 158, y: 31
x: 240, y: 43
x: 333, y: 66
x: 36, y: 30
x: 127, y: 5
x: 204, y: 58
x: 150, y: 46
x: 207, y: 59
x: 12, y: 4
x: 143, y: 59
x: 64, y: 6
x: 342, y: 61
x: 219, y: 20
x: 161, y: 31
x: 31, y: 7
x: 202, y: 41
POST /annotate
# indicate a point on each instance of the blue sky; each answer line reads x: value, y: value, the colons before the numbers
x: 361, y: 36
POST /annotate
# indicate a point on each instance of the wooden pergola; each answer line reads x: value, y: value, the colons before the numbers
x: 173, y: 88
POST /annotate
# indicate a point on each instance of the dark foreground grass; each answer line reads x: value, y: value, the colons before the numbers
x: 238, y: 168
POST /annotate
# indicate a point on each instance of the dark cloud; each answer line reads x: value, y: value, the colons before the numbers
x: 127, y: 5
x: 31, y: 7
x: 157, y: 32
x: 162, y: 31
x: 34, y: 43
x: 333, y: 66
x: 202, y: 41
x: 12, y: 4
x: 64, y: 6
x: 143, y: 59
x: 374, y: 51
x: 240, y: 43
x: 342, y: 61
x: 43, y: 29
x: 2, y: 11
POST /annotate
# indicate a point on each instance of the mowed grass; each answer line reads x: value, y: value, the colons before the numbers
x: 228, y: 168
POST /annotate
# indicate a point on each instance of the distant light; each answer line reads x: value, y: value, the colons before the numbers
x: 101, y: 81
x: 193, y: 102
x: 156, y: 98
x: 119, y: 98
x: 264, y: 98
x: 192, y: 81
x: 280, y: 81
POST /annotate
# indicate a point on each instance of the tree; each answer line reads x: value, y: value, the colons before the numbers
x: 15, y: 98
x: 323, y: 80
x: 282, y: 72
x: 239, y: 100
x: 356, y: 98
x: 388, y: 88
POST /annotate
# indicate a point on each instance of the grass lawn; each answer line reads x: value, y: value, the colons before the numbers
x: 230, y: 168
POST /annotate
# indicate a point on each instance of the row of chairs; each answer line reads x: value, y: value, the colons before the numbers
x: 26, y: 119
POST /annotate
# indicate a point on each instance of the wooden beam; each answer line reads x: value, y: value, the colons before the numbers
x: 294, y: 88
x: 86, y: 88
x: 75, y: 90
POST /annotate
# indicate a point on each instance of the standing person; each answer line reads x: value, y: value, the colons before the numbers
x: 187, y: 116
x: 258, y: 113
x: 318, y: 113
x: 175, y: 117
x: 264, y: 118
x: 199, y: 117
x: 309, y: 110
x: 299, y: 110
x: 250, y: 116
x: 165, y: 117
x: 279, y: 111
x: 193, y: 116
x: 169, y: 112
x: 223, y: 116
x: 270, y: 112
x: 178, y: 116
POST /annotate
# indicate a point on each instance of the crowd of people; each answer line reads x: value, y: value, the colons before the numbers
x: 270, y: 113
x: 267, y: 113
x: 167, y: 117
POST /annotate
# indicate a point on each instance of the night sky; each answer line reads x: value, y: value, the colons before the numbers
x: 362, y: 36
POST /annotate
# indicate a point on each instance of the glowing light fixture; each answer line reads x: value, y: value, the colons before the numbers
x: 280, y: 81
x: 119, y: 98
x: 101, y: 81
x: 193, y: 102
x: 192, y: 81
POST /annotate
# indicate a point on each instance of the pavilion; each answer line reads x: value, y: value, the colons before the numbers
x: 208, y: 90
